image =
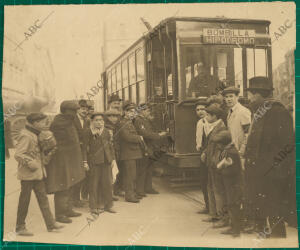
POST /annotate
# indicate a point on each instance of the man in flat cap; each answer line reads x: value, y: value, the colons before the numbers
x: 144, y: 169
x: 32, y: 173
x: 238, y: 123
x: 270, y: 160
x: 66, y: 169
x: 81, y: 123
x: 238, y: 118
x: 130, y: 150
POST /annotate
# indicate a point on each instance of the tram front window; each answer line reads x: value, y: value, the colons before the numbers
x: 198, y: 69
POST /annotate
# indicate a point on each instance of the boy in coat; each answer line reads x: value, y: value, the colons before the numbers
x: 230, y: 168
x: 31, y: 173
x: 210, y: 157
x: 99, y: 154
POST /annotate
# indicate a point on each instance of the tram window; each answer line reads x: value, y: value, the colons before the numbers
x: 256, y: 63
x: 197, y: 65
x: 132, y: 78
x: 140, y: 65
x: 188, y: 76
x: 109, y: 82
x: 142, y: 92
x: 170, y: 85
x: 125, y: 73
x: 126, y: 94
x: 133, y: 93
x: 260, y: 62
x: 238, y: 69
x: 119, y: 77
x: 222, y: 66
x: 113, y: 80
x: 250, y: 64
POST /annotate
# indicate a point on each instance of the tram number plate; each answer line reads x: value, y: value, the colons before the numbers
x: 228, y: 36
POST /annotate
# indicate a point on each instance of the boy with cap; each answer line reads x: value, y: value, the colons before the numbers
x: 201, y: 140
x: 99, y: 154
x: 66, y: 169
x: 210, y: 157
x: 31, y: 173
x: 130, y: 150
x: 111, y: 120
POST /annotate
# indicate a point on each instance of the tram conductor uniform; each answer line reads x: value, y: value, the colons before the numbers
x: 144, y: 128
x: 130, y: 151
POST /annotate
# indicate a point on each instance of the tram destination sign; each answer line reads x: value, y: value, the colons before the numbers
x: 228, y: 36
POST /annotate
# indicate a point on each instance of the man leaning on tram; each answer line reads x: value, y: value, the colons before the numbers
x: 144, y: 127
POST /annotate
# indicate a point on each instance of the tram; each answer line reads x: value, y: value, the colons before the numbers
x: 160, y: 67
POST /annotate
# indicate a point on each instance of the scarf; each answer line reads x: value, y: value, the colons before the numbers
x: 211, y: 126
x: 32, y: 129
x: 96, y: 132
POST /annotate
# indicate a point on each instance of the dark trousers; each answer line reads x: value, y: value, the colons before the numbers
x: 85, y: 186
x: 63, y: 202
x: 119, y: 185
x: 38, y: 186
x: 144, y: 169
x: 129, y: 178
x: 234, y: 194
x: 100, y: 186
x: 81, y: 188
x: 203, y: 184
x: 75, y: 192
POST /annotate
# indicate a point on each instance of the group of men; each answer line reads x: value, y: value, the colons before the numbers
x: 247, y: 161
x: 76, y: 158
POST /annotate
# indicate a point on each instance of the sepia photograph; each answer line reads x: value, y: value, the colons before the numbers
x: 150, y: 124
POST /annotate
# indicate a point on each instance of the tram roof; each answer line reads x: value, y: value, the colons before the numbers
x: 190, y: 19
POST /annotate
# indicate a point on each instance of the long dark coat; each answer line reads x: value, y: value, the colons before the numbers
x: 66, y: 166
x: 80, y: 129
x: 270, y: 160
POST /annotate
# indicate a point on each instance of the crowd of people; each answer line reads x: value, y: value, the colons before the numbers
x: 85, y: 157
x: 247, y: 164
x: 247, y: 161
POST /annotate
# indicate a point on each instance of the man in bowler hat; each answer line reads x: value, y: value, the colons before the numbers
x: 270, y: 180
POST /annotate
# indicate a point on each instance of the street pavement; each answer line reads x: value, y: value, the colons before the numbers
x: 167, y: 219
